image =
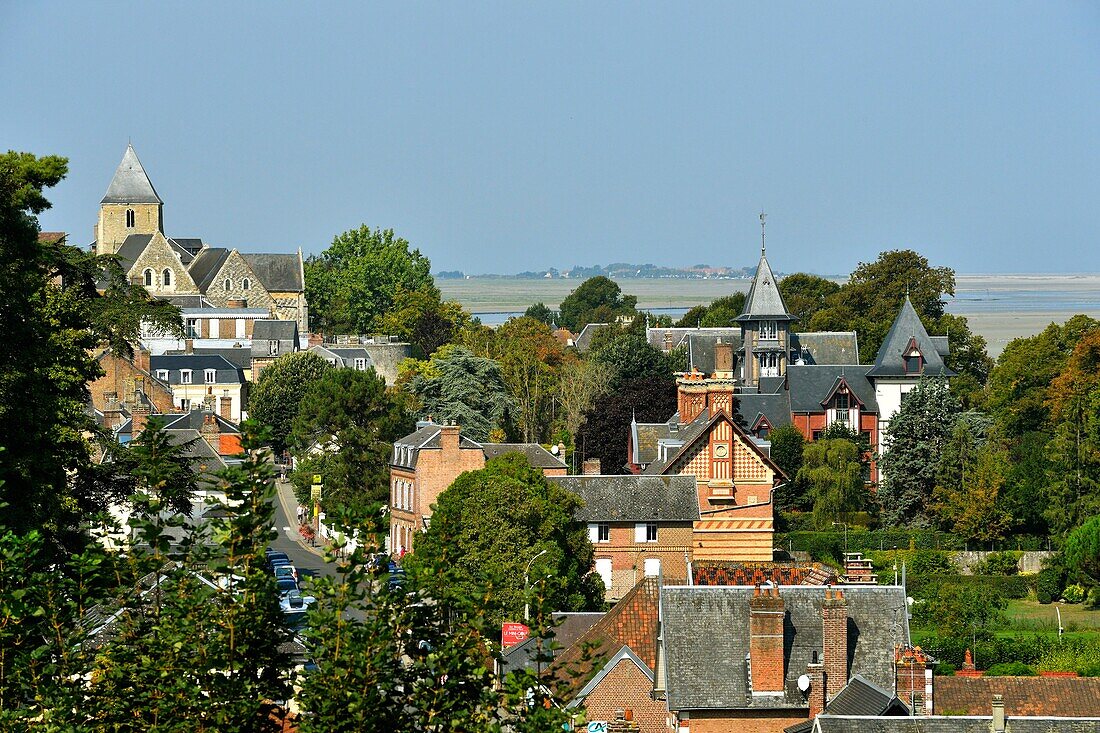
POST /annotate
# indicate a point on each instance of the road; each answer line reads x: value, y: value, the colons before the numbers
x: 310, y: 561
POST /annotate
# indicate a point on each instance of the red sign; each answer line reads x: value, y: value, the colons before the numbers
x: 512, y: 634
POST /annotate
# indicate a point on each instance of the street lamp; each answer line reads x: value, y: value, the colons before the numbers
x: 526, y: 580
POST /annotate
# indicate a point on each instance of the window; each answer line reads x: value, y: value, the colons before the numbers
x: 763, y: 432
x: 246, y: 284
x: 210, y: 376
x: 361, y: 364
x: 192, y: 328
x: 185, y: 405
x: 652, y: 567
x: 599, y: 532
x: 273, y: 348
x: 129, y: 218
x: 817, y: 435
x: 228, y: 285
x: 603, y: 569
x: 651, y: 532
x: 148, y: 275
x: 769, y: 365
x: 842, y: 402
x: 185, y: 376
x: 167, y: 277
x: 162, y: 375
x: 912, y: 364
x: 769, y: 330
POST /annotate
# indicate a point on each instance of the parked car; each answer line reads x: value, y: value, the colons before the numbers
x: 397, y: 578
x: 285, y: 585
x: 287, y: 571
x: 295, y: 602
x: 273, y: 559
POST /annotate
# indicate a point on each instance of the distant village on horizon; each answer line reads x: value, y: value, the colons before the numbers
x: 619, y: 270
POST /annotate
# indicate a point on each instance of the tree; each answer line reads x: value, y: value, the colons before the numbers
x: 540, y: 312
x: 457, y: 386
x: 806, y: 294
x: 629, y: 356
x: 920, y: 429
x: 353, y: 420
x: 833, y: 479
x: 423, y: 319
x: 954, y: 608
x: 693, y: 318
x: 354, y: 283
x: 1082, y: 549
x: 721, y: 313
x: 581, y: 381
x: 277, y: 394
x: 972, y: 505
x: 787, y: 444
x: 489, y: 524
x: 530, y: 359
x: 606, y: 430
x: 596, y: 300
x: 50, y: 306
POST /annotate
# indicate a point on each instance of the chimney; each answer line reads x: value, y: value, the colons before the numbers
x: 189, y: 346
x: 691, y: 396
x: 668, y: 341
x: 210, y: 431
x: 141, y: 358
x: 225, y: 407
x: 316, y: 339
x: 112, y: 413
x: 913, y: 679
x: 623, y: 722
x: 139, y: 415
x: 816, y: 673
x: 766, y: 640
x: 591, y: 467
x: 834, y: 633
x: 998, y: 714
x: 723, y: 360
x: 449, y: 438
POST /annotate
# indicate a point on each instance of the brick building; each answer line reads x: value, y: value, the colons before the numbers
x: 208, y: 380
x: 426, y: 462
x: 124, y: 384
x: 640, y: 526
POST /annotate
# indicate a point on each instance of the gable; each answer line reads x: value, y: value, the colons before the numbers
x: 235, y: 271
x: 724, y: 451
x: 159, y: 255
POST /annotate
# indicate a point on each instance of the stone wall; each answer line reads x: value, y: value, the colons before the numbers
x: 159, y: 256
x: 236, y: 270
x: 111, y: 231
x: 387, y: 357
x: 1030, y: 562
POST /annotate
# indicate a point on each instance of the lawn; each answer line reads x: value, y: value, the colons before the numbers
x: 1024, y: 615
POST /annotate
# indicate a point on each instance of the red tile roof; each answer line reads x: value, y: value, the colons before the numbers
x: 726, y: 572
x: 1037, y: 696
x: 50, y: 237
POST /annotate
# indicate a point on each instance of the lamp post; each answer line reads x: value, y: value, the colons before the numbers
x: 526, y: 580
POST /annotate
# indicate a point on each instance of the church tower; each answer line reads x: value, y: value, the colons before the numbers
x: 131, y: 206
x: 765, y: 325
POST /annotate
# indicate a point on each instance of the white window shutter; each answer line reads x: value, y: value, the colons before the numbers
x: 639, y: 532
x: 652, y: 567
x: 593, y: 532
x: 603, y: 567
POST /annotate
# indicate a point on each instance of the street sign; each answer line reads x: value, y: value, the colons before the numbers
x: 317, y: 479
x: 512, y: 634
x: 597, y: 726
x: 315, y: 493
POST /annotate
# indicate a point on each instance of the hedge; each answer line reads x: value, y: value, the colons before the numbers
x: 859, y: 540
x: 1007, y: 586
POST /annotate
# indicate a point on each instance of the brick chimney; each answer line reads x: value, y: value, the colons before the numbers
x: 834, y: 633
x: 816, y: 673
x: 691, y: 396
x: 315, y: 339
x: 139, y: 415
x: 225, y: 406
x: 623, y: 722
x: 766, y: 640
x: 141, y: 358
x: 913, y: 679
x: 210, y: 431
x: 723, y: 360
x: 449, y: 438
x: 591, y: 467
x: 189, y: 346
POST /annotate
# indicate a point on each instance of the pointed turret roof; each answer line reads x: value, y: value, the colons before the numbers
x: 908, y: 329
x: 764, y: 301
x: 131, y: 185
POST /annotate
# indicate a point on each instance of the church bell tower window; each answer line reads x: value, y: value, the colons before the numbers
x: 129, y: 218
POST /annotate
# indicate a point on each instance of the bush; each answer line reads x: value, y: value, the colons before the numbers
x: 943, y: 669
x: 1047, y: 584
x: 1010, y: 586
x: 1071, y: 655
x: 1010, y: 669
x: 1000, y: 563
x: 1073, y: 593
x: 989, y: 652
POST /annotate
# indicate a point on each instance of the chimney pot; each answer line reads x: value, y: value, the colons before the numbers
x: 998, y: 714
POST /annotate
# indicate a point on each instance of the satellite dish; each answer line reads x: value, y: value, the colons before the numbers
x: 804, y: 682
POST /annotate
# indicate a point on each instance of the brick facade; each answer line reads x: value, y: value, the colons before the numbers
x: 673, y: 548
x: 756, y: 721
x: 123, y: 379
x: 834, y: 620
x: 626, y: 687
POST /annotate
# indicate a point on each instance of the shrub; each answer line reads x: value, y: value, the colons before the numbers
x: 1073, y: 593
x: 1009, y: 586
x: 943, y: 669
x: 1047, y: 583
x: 1000, y: 563
x: 1070, y: 655
x: 1010, y: 669
x: 1092, y: 670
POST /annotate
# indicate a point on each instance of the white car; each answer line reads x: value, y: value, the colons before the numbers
x: 294, y: 602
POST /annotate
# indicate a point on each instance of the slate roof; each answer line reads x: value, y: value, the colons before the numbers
x: 238, y: 357
x: 130, y: 184
x: 825, y: 347
x: 950, y: 724
x: 226, y: 372
x: 569, y: 626
x: 632, y: 622
x: 631, y: 498
x: 645, y: 439
x: 406, y: 451
x: 764, y: 300
x: 907, y: 327
x: 583, y: 341
x: 775, y: 407
x: 191, y: 244
x: 706, y: 640
x: 274, y: 331
x: 536, y: 455
x: 192, y: 420
x: 192, y: 302
x: 206, y: 265
x: 1068, y: 696
x: 685, y: 434
x: 278, y: 272
x: 811, y: 385
x: 131, y: 249
x: 700, y: 346
x: 859, y: 697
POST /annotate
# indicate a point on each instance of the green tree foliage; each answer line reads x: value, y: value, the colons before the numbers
x: 51, y: 309
x: 628, y: 356
x: 1074, y: 399
x: 960, y: 609
x: 1016, y: 394
x: 423, y: 319
x: 806, y: 294
x: 277, y: 394
x: 787, y: 444
x: 597, y: 300
x: 971, y: 505
x: 721, y: 313
x: 456, y: 386
x: 349, y: 416
x: 580, y: 383
x: 921, y: 427
x: 489, y: 524
x: 1082, y: 549
x: 531, y: 360
x: 540, y: 312
x: 161, y: 468
x: 605, y: 433
x: 355, y: 282
x: 1025, y: 490
x: 834, y: 482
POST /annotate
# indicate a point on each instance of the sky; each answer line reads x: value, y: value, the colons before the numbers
x: 499, y: 137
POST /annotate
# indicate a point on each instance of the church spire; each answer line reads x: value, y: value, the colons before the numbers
x: 764, y: 301
x: 131, y: 185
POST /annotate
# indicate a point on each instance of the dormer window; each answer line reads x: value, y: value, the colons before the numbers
x: 273, y: 348
x: 129, y: 218
x: 914, y: 361
x: 769, y: 330
x: 210, y: 376
x: 162, y: 375
x: 185, y: 376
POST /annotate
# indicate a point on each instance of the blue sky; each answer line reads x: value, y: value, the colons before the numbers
x: 500, y: 137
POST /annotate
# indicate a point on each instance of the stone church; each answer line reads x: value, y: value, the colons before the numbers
x: 131, y: 226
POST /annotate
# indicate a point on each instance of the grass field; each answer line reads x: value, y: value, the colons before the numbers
x: 1023, y: 615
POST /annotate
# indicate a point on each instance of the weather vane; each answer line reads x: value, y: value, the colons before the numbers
x: 763, y: 222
